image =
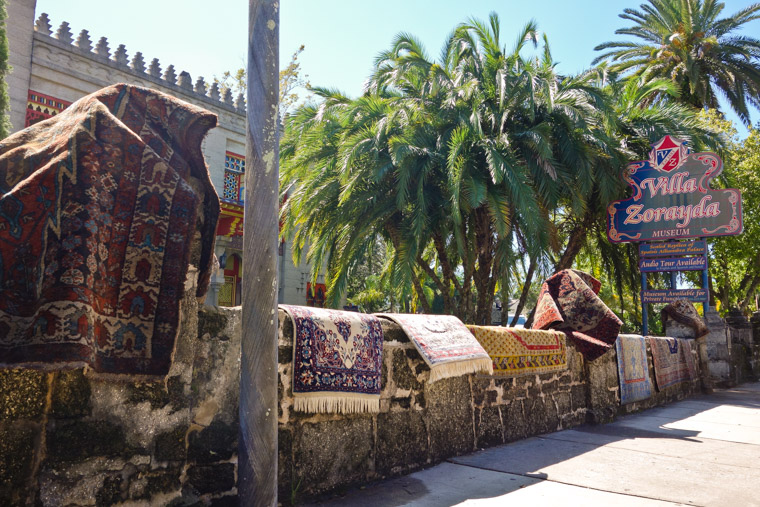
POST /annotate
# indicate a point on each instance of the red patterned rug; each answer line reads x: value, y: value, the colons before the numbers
x: 98, y: 214
x: 568, y: 302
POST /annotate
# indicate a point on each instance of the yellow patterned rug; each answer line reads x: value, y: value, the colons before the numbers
x: 517, y: 351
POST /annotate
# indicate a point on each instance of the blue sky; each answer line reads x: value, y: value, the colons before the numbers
x: 342, y: 38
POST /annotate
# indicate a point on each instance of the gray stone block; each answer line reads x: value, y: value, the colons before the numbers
x: 217, y: 442
x: 449, y: 417
x: 22, y: 394
x: 402, y: 373
x: 331, y: 453
x: 515, y: 426
x: 402, y: 442
x: 16, y: 460
x: 488, y: 428
x: 212, y: 478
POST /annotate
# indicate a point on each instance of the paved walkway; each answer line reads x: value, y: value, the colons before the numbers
x: 701, y: 451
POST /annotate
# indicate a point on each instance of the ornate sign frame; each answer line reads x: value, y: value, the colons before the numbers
x: 672, y: 198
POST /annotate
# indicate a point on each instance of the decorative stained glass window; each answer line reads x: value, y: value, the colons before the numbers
x: 231, y: 186
x: 234, y: 177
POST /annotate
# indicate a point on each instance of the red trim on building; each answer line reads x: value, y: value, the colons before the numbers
x: 41, y: 107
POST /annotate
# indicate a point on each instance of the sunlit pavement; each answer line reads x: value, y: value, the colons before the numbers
x: 701, y: 451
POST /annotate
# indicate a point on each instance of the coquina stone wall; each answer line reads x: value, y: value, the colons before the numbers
x: 67, y: 438
x: 421, y: 424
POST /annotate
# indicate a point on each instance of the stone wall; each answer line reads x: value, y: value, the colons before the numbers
x: 421, y: 424
x: 69, y: 438
x: 744, y: 337
x: 731, y: 349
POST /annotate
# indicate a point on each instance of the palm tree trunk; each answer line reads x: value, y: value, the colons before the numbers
x: 526, y: 288
x: 468, y: 267
x: 420, y: 293
x: 448, y: 305
x: 483, y: 276
x: 443, y: 257
x: 504, y: 300
x: 531, y: 315
x: 575, y: 241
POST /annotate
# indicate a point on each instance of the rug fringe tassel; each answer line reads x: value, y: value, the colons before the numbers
x: 340, y: 403
x: 459, y: 368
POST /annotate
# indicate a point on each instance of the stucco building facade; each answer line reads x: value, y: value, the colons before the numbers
x: 53, y: 67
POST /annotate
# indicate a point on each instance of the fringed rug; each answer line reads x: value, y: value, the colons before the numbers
x: 98, y: 213
x: 515, y: 352
x: 337, y: 358
x: 445, y: 343
x: 568, y: 302
x: 683, y: 312
x: 673, y: 361
x: 633, y: 368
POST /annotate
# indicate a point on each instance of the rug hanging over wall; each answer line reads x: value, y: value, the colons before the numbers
x: 99, y: 208
x: 683, y: 312
x: 633, y: 368
x: 673, y: 361
x: 515, y: 352
x: 568, y: 302
x: 445, y: 343
x: 337, y: 360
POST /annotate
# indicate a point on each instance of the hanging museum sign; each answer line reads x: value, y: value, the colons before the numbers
x: 671, y: 248
x: 673, y: 264
x: 670, y: 295
x: 672, y: 198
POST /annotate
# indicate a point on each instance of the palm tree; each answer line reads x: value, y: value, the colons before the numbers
x: 449, y: 161
x: 644, y: 111
x: 686, y: 42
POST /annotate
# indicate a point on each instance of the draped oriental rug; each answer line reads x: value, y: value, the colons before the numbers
x: 633, y: 368
x: 673, y: 361
x: 568, y: 302
x: 445, y: 343
x: 99, y: 208
x: 337, y: 359
x: 515, y: 351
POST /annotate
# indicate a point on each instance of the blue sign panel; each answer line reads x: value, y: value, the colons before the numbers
x: 670, y: 295
x: 672, y: 198
x: 673, y: 264
x: 670, y: 248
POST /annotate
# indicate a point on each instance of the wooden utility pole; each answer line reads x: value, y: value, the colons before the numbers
x: 257, y: 463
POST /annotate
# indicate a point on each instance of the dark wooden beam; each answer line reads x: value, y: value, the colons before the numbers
x: 257, y: 463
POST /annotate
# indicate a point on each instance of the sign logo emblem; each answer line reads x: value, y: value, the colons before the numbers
x: 669, y: 154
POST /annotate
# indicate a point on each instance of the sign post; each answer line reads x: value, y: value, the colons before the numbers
x: 672, y: 201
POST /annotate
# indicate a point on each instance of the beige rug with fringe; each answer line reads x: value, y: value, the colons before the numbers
x: 445, y: 343
x: 337, y: 358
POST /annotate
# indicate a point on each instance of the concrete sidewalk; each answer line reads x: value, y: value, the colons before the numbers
x: 700, y: 451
